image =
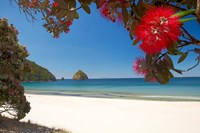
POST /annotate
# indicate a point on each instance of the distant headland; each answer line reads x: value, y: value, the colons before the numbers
x: 38, y: 73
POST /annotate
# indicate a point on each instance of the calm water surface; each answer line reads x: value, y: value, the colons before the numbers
x: 179, y: 89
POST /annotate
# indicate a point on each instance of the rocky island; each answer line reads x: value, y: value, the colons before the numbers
x: 80, y: 75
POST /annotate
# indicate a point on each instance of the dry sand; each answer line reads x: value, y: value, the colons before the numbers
x: 100, y: 115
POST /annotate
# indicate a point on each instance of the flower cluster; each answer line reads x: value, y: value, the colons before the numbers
x: 55, y: 4
x: 61, y: 25
x: 66, y: 23
x: 54, y: 23
x: 158, y: 29
x: 37, y: 4
x: 108, y: 12
x: 139, y: 66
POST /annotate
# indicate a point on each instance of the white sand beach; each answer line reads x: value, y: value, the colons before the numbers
x: 100, y: 115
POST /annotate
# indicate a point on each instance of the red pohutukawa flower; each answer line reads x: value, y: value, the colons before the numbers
x: 55, y: 4
x: 69, y: 23
x: 158, y: 29
x: 105, y: 12
x: 140, y: 66
x: 108, y: 12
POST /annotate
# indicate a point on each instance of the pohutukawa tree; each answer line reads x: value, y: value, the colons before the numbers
x: 12, y: 66
x: 156, y: 25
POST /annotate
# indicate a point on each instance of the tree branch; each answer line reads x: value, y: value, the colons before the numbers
x: 189, y: 35
x: 198, y: 11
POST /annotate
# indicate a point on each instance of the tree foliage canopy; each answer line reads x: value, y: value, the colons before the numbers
x: 157, y: 25
x: 12, y: 66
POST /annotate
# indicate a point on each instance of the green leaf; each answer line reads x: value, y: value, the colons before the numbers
x: 170, y: 74
x: 173, y: 49
x: 61, y: 14
x: 125, y: 15
x: 76, y: 15
x: 62, y: 3
x: 70, y: 16
x: 132, y: 28
x: 148, y: 76
x: 88, y: 1
x: 182, y: 58
x: 72, y: 4
x: 86, y: 8
x: 163, y: 64
x: 167, y: 73
x: 148, y: 60
x: 184, y: 13
x: 162, y: 79
x: 186, y: 20
x: 135, y: 41
x: 169, y: 61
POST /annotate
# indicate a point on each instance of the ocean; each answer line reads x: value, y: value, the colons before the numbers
x: 179, y: 89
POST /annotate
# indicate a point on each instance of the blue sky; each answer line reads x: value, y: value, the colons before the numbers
x: 96, y: 46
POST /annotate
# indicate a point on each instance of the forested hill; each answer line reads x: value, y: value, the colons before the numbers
x: 38, y: 73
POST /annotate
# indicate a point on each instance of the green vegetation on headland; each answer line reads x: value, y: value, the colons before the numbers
x: 80, y: 75
x: 38, y: 73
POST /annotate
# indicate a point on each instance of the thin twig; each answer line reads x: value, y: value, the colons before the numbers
x: 189, y: 35
x: 192, y: 67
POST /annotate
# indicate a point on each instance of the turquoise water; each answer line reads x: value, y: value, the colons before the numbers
x: 179, y: 89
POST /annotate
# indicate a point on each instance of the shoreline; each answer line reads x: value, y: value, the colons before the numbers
x: 122, y: 96
x: 105, y: 115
